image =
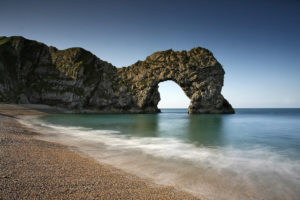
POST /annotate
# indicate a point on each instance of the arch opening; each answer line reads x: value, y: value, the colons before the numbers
x: 172, y: 95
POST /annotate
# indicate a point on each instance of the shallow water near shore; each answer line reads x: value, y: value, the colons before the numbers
x: 254, y: 154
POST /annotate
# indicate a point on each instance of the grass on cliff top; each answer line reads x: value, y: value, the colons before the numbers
x: 3, y: 40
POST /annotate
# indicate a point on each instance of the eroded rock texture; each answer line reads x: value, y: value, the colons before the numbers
x: 31, y: 72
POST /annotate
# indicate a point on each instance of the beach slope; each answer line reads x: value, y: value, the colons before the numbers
x: 36, y: 169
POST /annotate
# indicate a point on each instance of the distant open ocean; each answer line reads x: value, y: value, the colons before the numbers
x: 253, y: 154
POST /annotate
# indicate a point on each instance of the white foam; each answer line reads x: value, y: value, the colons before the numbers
x: 211, y: 173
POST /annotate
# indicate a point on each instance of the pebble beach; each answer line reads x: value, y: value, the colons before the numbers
x: 34, y: 169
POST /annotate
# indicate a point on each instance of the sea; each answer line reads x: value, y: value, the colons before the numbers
x: 253, y: 154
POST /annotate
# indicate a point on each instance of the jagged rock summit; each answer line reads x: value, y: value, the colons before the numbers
x: 32, y: 72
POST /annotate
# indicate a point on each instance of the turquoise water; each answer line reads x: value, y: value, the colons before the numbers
x: 253, y: 154
x: 277, y: 129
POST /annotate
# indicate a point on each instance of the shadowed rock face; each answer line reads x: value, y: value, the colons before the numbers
x: 31, y: 72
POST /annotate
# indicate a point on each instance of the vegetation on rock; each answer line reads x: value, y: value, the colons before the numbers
x: 31, y: 72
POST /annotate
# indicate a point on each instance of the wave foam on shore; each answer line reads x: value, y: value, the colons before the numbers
x: 210, y: 173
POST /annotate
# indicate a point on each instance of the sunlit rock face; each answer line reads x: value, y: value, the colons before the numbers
x: 196, y: 71
x: 31, y: 72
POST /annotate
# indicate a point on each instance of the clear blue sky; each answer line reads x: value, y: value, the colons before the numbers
x: 257, y: 42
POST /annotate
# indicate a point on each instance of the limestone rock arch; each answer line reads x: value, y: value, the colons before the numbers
x: 74, y: 78
x: 197, y: 72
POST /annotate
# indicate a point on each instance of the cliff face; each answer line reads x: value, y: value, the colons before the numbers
x: 31, y: 72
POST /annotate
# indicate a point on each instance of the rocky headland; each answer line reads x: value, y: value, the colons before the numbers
x: 34, y: 73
